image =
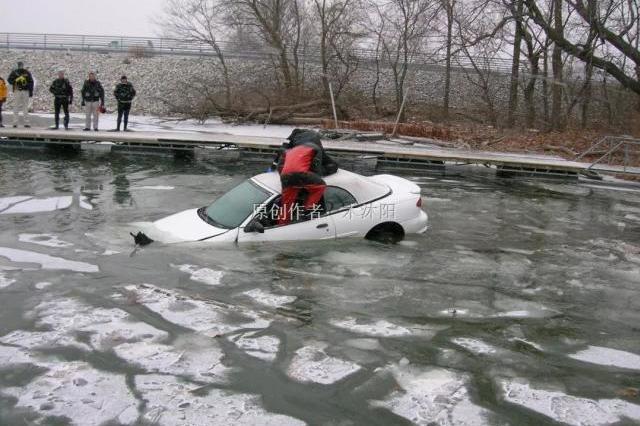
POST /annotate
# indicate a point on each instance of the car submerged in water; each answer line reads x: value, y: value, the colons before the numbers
x: 381, y: 207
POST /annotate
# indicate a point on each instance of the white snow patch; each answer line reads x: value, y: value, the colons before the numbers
x: 474, y: 345
x: 48, y: 240
x: 46, y: 261
x: 607, y: 356
x: 312, y: 364
x: 76, y: 390
x: 432, y: 396
x: 269, y: 299
x: 155, y: 187
x: 263, y: 347
x: 14, y: 355
x: 206, y: 317
x: 569, y: 409
x: 203, y: 275
x: 171, y: 402
x: 37, y: 205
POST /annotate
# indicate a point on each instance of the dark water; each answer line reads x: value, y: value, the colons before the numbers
x: 520, y: 305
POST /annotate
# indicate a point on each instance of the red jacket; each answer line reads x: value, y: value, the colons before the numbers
x: 301, y: 159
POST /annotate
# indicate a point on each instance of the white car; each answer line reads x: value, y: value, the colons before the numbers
x: 380, y: 207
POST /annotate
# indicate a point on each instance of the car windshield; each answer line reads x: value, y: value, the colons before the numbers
x: 230, y: 210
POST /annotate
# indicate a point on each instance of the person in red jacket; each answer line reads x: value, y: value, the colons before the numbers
x: 300, y: 169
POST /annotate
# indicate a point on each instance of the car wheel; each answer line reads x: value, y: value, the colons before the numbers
x: 388, y: 233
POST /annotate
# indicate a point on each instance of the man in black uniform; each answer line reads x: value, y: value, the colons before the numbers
x: 63, y: 97
x: 124, y: 93
x: 21, y: 81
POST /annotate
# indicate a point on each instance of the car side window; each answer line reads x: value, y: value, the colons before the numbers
x: 336, y: 198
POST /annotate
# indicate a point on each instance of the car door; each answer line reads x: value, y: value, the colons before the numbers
x: 317, y: 228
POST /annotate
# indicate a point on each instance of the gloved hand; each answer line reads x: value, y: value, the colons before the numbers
x: 82, y: 104
x: 70, y: 101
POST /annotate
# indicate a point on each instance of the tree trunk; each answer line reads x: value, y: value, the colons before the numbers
x: 545, y: 83
x: 556, y: 66
x: 447, y: 76
x: 515, y: 67
x: 584, y: 116
x: 530, y: 90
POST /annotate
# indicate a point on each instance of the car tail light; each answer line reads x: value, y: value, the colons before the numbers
x: 419, y: 202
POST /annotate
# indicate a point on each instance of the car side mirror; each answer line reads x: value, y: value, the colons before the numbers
x: 254, y: 225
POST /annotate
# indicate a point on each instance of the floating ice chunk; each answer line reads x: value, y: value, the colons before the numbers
x: 110, y: 252
x: 474, y: 345
x: 269, y: 299
x: 607, y: 356
x: 263, y: 347
x: 35, y: 339
x: 84, y: 203
x: 154, y: 187
x: 76, y: 390
x: 202, y: 364
x: 36, y: 205
x: 206, y: 317
x: 312, y: 364
x: 5, y: 282
x: 203, y: 275
x: 381, y: 328
x: 569, y: 409
x: 42, y: 285
x: 171, y: 402
x: 537, y: 230
x: 6, y: 202
x: 432, y: 396
x: 46, y: 261
x: 364, y: 344
x: 48, y: 240
x: 14, y: 355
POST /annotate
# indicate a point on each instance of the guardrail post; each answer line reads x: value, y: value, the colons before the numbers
x: 45, y: 41
x: 82, y: 44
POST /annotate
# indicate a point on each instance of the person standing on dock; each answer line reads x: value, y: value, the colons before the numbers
x: 63, y: 97
x: 124, y: 93
x: 3, y: 97
x: 92, y: 101
x: 21, y: 81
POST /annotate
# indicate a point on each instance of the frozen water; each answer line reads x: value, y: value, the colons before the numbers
x: 46, y: 261
x: 203, y: 275
x: 48, y: 240
x: 84, y: 203
x: 6, y: 202
x: 607, y: 356
x: 312, y: 364
x: 4, y: 281
x: 14, y: 355
x: 474, y: 345
x: 569, y: 409
x: 171, y: 402
x: 432, y: 396
x: 269, y: 299
x: 263, y: 347
x: 42, y: 285
x: 66, y: 317
x: 206, y: 317
x: 364, y: 344
x: 203, y: 364
x: 76, y: 390
x: 383, y: 328
x: 37, y: 205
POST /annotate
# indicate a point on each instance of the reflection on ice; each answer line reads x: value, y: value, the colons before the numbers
x: 47, y: 262
x: 312, y: 364
x: 607, y: 356
x: 83, y: 394
x: 432, y: 396
x: 171, y: 402
x: 569, y: 409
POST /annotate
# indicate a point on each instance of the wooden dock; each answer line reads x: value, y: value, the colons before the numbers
x: 385, y: 153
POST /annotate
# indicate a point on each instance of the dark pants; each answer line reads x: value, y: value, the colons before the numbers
x: 123, y: 110
x: 1, y: 112
x: 292, y: 184
x: 64, y: 103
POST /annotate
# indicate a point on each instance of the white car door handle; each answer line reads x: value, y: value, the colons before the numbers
x: 322, y: 225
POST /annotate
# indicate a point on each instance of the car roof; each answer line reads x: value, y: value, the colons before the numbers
x: 361, y: 187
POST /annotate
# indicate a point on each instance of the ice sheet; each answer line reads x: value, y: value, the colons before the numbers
x: 312, y: 364
x: 203, y: 275
x: 382, y: 328
x: 4, y: 281
x: 269, y: 299
x: 37, y: 205
x: 47, y: 240
x: 476, y: 346
x: 46, y: 261
x: 607, y: 356
x: 263, y: 347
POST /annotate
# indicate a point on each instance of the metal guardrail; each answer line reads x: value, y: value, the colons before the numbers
x: 168, y: 46
x: 613, y: 145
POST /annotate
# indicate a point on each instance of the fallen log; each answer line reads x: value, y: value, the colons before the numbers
x: 562, y: 149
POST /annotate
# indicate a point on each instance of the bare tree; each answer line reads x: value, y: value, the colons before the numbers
x: 199, y: 21
x: 516, y: 11
x: 449, y: 7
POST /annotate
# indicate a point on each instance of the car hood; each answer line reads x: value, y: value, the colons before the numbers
x: 185, y: 226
